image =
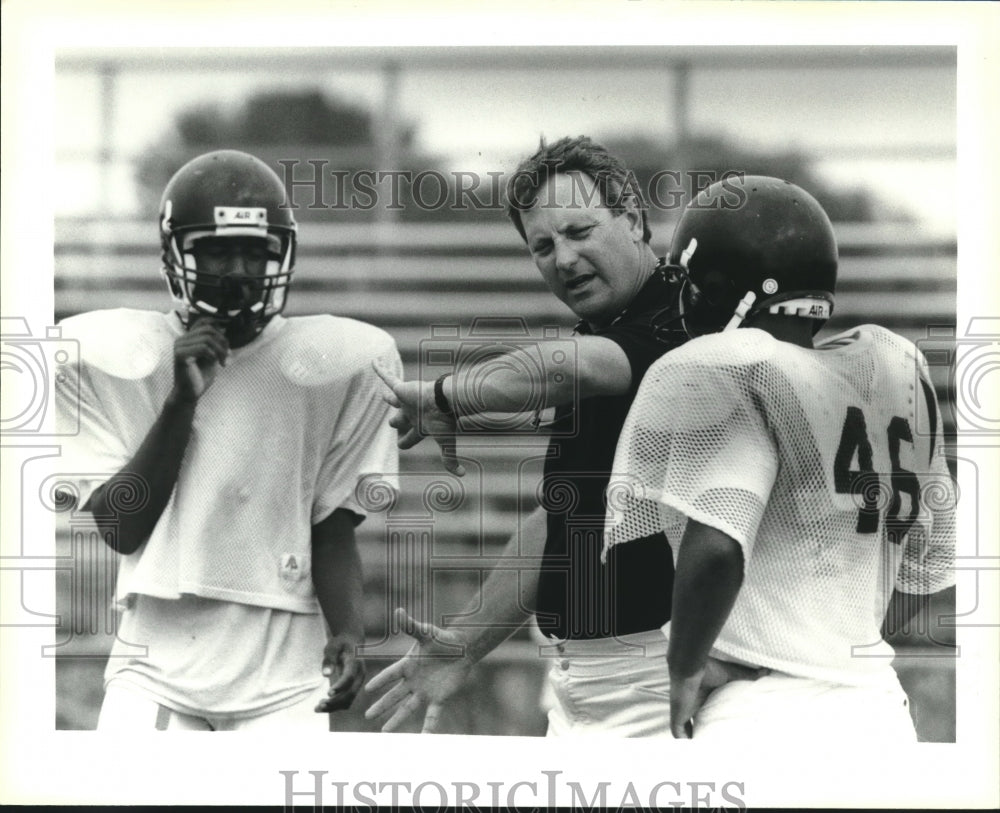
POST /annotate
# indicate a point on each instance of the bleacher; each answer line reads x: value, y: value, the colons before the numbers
x: 406, y: 278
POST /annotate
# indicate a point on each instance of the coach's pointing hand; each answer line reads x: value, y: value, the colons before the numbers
x: 432, y: 671
x: 419, y: 417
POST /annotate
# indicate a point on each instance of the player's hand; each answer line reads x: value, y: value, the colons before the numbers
x: 688, y: 694
x: 345, y: 671
x: 418, y: 417
x: 431, y: 672
x: 197, y: 356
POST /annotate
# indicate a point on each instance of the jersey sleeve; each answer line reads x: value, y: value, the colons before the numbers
x: 928, y: 563
x: 92, y: 450
x: 364, y: 446
x: 696, y: 445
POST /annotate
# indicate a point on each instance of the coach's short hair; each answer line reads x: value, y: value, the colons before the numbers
x: 614, y: 181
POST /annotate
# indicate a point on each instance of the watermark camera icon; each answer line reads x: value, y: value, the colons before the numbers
x: 34, y: 369
x: 494, y: 350
x: 972, y: 363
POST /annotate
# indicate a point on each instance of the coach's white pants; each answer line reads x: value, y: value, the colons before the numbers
x: 782, y: 708
x: 127, y: 709
x: 618, y: 686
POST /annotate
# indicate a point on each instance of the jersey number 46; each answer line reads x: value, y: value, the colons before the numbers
x: 868, y: 486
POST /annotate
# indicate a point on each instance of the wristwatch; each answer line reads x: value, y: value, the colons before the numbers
x: 440, y: 400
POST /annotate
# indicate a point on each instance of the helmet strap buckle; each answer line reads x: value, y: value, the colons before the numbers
x: 742, y: 309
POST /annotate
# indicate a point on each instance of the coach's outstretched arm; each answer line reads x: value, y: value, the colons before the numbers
x: 197, y: 356
x: 440, y: 661
x: 552, y: 372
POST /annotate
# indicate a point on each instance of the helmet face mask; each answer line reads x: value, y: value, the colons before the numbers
x: 773, y: 252
x: 228, y: 242
x: 223, y: 280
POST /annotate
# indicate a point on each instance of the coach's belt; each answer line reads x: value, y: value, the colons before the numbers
x: 652, y: 643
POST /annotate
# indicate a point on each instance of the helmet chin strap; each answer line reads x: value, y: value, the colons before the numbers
x: 742, y: 309
x: 687, y: 253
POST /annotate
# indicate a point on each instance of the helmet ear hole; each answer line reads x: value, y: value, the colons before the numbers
x: 699, y: 313
x: 716, y: 288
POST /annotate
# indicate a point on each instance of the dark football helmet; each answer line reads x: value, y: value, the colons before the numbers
x: 227, y: 194
x: 752, y: 244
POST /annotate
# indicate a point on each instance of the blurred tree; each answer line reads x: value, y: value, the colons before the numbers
x: 310, y: 125
x: 307, y: 117
x: 274, y: 125
x: 718, y: 154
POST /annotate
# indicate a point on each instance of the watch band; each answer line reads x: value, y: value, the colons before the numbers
x: 440, y: 400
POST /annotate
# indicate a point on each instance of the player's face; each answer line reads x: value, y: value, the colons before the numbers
x: 231, y: 277
x: 232, y: 256
x: 590, y: 257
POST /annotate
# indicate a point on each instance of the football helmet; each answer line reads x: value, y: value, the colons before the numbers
x: 750, y: 244
x: 227, y: 194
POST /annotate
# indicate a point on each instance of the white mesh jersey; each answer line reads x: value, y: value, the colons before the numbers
x: 825, y: 465
x: 283, y: 437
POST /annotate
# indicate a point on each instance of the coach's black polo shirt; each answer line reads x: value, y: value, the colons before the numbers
x: 578, y: 596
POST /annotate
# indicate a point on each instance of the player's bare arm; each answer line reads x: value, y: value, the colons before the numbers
x: 337, y: 578
x: 706, y: 582
x: 197, y: 356
x: 440, y: 660
x: 435, y: 408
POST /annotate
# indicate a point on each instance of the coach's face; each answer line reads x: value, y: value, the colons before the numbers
x: 590, y: 257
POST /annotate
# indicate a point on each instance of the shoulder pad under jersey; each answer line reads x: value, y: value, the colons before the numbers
x: 316, y: 350
x: 121, y: 342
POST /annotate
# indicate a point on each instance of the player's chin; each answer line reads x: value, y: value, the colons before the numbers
x: 241, y: 331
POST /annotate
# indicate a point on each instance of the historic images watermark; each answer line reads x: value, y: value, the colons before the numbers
x: 311, y: 184
x: 34, y: 367
x: 971, y: 361
x: 485, y: 356
x: 317, y: 790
